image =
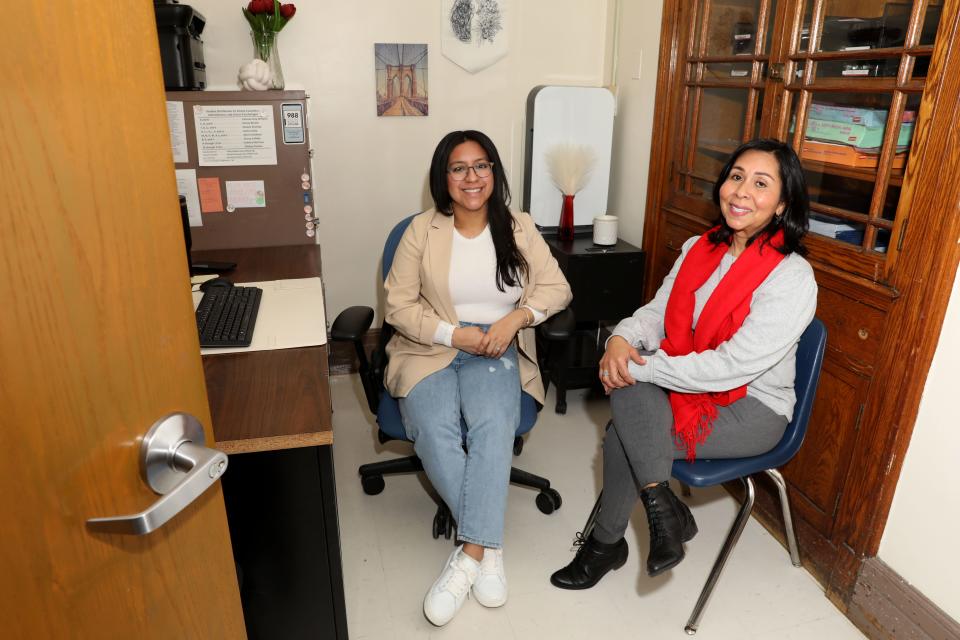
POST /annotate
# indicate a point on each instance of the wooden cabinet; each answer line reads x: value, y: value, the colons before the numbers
x: 607, y: 285
x: 861, y: 90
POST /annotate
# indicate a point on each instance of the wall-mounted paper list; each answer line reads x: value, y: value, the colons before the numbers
x: 234, y: 135
x: 178, y: 131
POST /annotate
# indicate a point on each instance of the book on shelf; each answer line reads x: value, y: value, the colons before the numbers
x: 855, y: 135
x: 855, y: 115
x: 847, y: 155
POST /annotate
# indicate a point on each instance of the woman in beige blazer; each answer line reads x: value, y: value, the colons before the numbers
x: 468, y: 281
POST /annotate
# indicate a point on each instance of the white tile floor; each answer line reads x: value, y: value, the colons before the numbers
x: 390, y: 558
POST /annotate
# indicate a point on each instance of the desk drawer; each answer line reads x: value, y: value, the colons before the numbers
x: 605, y: 286
x: 854, y: 329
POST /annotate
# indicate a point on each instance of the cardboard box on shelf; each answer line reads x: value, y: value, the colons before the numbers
x: 846, y: 155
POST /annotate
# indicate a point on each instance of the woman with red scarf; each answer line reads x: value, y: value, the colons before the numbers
x: 723, y: 331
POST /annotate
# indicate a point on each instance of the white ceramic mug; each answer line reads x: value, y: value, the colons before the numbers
x: 605, y: 230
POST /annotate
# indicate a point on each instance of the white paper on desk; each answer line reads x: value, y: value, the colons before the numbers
x: 178, y: 131
x: 291, y: 315
x: 187, y: 186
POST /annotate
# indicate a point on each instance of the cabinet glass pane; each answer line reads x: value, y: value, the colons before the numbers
x: 805, y: 28
x: 736, y: 71
x: 852, y: 25
x: 876, y: 68
x: 758, y: 124
x: 732, y: 27
x: 719, y: 130
x: 772, y: 13
x: 846, y: 129
x: 837, y: 228
x: 840, y: 151
x: 931, y: 20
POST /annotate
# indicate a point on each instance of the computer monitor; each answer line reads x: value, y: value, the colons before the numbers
x: 198, y: 267
x: 187, y: 241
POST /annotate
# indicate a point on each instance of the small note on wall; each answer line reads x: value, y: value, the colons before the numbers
x: 210, y: 199
x: 187, y: 186
x: 245, y: 193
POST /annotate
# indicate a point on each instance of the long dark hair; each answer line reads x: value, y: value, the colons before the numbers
x: 793, y: 193
x: 511, y: 265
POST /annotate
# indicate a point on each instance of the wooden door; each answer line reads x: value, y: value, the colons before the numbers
x: 97, y: 338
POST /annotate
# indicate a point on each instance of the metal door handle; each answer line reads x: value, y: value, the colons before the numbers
x: 176, y: 465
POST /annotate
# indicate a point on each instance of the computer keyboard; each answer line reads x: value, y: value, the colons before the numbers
x: 226, y: 316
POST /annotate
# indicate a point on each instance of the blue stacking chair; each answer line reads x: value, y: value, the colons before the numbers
x: 709, y: 473
x: 350, y: 326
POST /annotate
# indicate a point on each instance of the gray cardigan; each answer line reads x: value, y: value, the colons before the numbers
x: 761, y: 354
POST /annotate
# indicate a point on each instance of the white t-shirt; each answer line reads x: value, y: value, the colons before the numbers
x: 473, y: 285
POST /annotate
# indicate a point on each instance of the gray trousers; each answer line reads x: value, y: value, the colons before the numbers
x: 639, y: 448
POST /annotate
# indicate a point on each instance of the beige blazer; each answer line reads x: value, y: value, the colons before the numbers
x: 418, y: 298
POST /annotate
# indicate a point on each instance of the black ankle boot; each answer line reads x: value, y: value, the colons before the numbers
x: 593, y: 560
x: 671, y: 524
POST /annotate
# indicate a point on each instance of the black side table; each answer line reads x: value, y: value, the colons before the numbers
x: 607, y: 284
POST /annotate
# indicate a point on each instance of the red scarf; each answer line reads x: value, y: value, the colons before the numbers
x: 721, y: 317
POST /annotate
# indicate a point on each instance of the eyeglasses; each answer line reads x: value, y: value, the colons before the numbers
x: 459, y: 171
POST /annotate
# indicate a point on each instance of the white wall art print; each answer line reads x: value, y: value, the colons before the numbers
x: 474, y: 32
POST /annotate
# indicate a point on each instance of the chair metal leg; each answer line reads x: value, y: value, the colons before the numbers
x: 787, y: 518
x: 735, y: 530
x: 592, y: 518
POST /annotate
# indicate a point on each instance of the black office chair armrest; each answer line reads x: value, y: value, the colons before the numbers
x: 559, y: 327
x: 351, y: 323
x: 350, y: 326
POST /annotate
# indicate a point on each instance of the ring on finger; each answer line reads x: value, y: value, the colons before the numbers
x: 605, y: 374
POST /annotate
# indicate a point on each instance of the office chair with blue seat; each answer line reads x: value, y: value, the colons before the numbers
x: 709, y: 473
x: 351, y: 324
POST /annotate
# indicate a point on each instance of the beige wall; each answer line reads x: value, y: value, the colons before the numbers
x: 636, y: 86
x: 921, y: 532
x: 369, y: 171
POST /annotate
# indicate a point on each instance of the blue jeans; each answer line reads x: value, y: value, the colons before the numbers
x: 486, y: 392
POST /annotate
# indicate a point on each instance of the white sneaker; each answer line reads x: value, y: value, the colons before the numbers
x: 447, y: 594
x: 490, y: 587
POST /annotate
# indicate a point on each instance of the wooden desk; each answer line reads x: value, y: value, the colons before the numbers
x: 273, y: 407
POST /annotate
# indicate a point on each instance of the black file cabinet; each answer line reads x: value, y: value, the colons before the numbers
x: 607, y: 284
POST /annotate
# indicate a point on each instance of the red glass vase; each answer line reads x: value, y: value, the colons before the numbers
x: 566, y: 219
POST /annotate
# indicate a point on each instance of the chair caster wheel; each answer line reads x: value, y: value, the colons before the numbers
x: 372, y: 485
x: 548, y: 501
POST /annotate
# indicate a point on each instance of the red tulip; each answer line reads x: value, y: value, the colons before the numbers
x: 260, y: 6
x: 287, y: 10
